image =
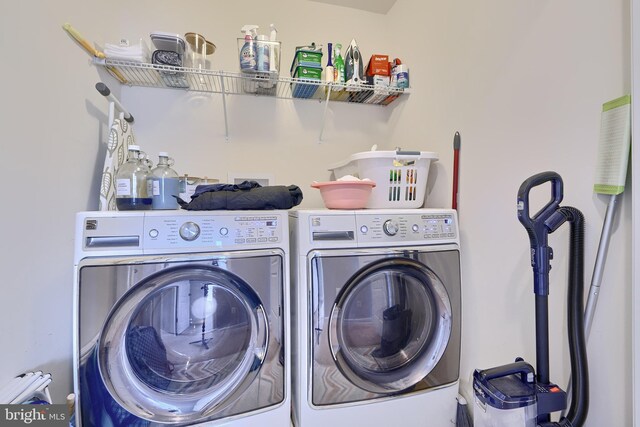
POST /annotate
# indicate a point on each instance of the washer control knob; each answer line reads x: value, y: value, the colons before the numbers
x: 390, y: 227
x: 224, y: 231
x: 189, y: 231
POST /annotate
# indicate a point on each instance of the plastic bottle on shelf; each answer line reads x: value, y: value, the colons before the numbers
x: 338, y: 65
x: 399, y: 74
x: 248, y: 50
x: 328, y: 70
x: 262, y: 53
x: 131, y: 183
x: 274, y: 51
x: 165, y: 184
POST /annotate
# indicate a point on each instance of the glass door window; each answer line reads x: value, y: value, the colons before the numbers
x: 182, y: 342
x: 390, y: 325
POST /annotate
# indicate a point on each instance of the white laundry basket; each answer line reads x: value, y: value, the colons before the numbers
x: 400, y: 176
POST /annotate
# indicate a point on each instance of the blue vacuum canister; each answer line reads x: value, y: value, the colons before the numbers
x: 505, y: 396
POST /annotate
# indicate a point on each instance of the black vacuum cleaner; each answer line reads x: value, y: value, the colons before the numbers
x: 514, y: 395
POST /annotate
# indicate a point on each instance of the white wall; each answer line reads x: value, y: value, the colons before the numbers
x: 51, y: 121
x: 522, y: 82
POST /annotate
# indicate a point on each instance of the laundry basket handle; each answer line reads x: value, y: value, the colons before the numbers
x: 407, y: 153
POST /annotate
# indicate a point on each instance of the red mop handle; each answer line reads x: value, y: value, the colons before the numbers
x: 456, y: 163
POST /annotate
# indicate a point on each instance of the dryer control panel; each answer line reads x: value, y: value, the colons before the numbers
x: 168, y: 232
x: 418, y: 227
x: 181, y: 231
x: 369, y: 227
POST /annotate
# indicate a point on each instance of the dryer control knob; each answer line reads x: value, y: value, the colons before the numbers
x: 390, y: 227
x: 189, y: 231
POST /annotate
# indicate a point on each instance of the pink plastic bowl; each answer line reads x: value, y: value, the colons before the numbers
x: 345, y: 194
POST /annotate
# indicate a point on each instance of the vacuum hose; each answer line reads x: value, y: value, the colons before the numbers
x: 579, y: 408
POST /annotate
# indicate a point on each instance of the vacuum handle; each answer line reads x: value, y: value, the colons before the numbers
x: 536, y: 224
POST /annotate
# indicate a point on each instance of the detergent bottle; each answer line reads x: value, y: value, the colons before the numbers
x: 131, y: 183
x: 165, y: 184
x: 248, y: 52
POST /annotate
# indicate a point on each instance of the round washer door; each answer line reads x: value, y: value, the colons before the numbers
x: 390, y: 325
x: 182, y: 343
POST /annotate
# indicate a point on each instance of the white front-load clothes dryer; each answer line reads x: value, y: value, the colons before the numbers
x: 181, y: 318
x: 376, y: 315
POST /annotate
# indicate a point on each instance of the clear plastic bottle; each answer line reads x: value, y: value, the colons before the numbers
x: 165, y: 184
x: 131, y: 183
x: 338, y: 65
x: 262, y: 53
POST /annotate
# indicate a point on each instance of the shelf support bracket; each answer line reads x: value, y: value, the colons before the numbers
x: 324, y: 113
x: 224, y: 107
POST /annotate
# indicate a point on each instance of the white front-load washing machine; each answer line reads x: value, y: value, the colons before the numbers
x: 182, y: 318
x: 376, y: 317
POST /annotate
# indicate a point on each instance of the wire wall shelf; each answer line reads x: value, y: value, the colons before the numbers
x: 260, y: 84
x: 256, y: 84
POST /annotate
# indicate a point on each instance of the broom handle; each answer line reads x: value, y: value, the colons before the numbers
x: 596, y: 278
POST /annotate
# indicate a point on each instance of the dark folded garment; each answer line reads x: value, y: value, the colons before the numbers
x: 246, y: 196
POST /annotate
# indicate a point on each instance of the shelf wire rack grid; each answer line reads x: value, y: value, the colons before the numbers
x: 260, y: 84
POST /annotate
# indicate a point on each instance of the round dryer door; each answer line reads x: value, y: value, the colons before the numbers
x: 390, y: 325
x: 182, y: 343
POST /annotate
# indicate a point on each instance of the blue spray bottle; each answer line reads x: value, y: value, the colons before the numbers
x: 248, y: 51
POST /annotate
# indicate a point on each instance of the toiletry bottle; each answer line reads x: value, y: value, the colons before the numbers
x: 165, y: 184
x: 262, y: 53
x: 338, y: 65
x: 274, y: 50
x: 329, y: 72
x: 402, y: 76
x: 131, y: 183
x: 399, y: 74
x: 248, y: 50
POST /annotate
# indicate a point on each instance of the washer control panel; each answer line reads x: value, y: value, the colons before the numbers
x: 390, y: 227
x: 183, y: 231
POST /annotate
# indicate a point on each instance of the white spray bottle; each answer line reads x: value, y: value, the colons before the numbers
x: 263, y: 53
x: 248, y: 50
x: 274, y: 53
